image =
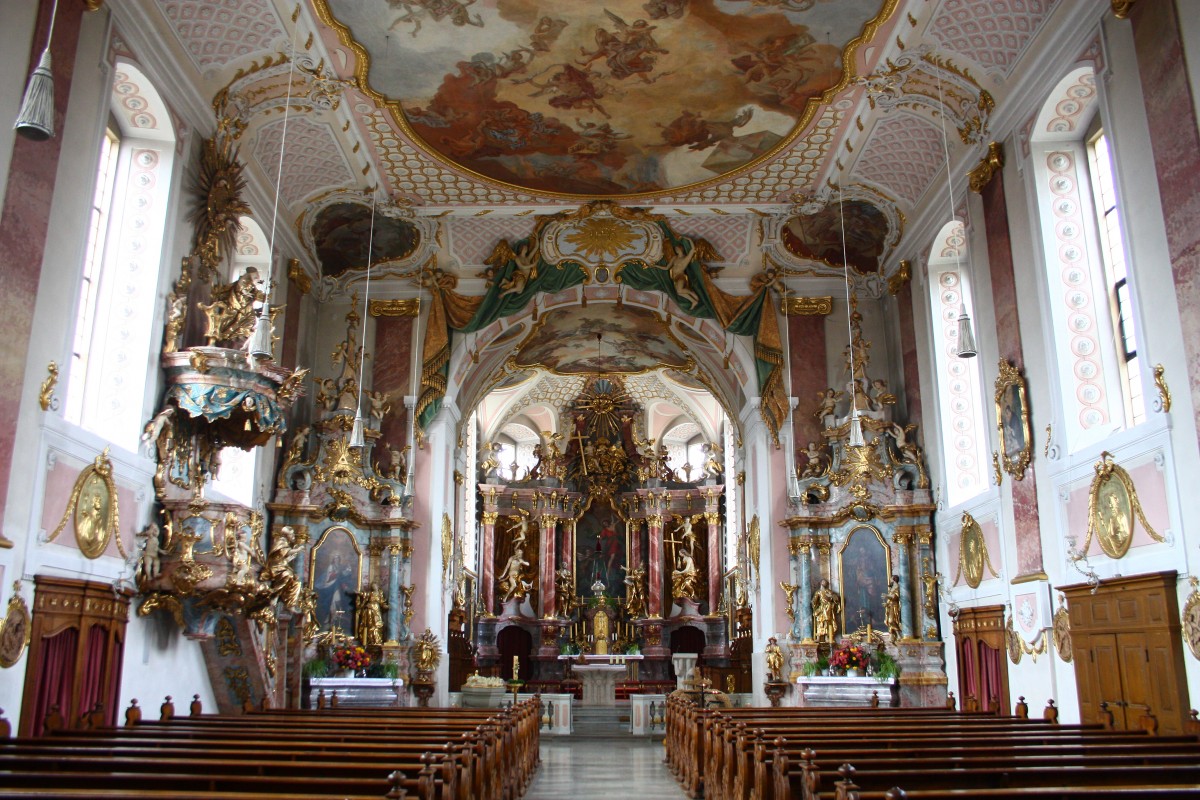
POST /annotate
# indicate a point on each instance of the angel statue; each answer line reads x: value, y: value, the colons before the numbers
x: 277, y: 572
x: 676, y: 267
x: 526, y: 258
x: 512, y: 577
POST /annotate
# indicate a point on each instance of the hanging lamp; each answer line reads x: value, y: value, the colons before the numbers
x: 357, y: 436
x: 35, y: 120
x: 966, y: 339
x: 856, y: 431
x: 261, y: 347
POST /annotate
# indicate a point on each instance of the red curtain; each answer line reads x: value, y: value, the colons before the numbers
x: 969, y: 686
x: 93, y: 669
x: 55, y: 676
x: 989, y: 678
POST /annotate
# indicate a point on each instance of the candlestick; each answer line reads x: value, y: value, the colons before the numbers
x: 516, y: 666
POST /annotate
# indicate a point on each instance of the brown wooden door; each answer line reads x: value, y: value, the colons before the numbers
x: 1129, y: 651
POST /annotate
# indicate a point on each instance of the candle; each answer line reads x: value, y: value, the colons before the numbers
x: 516, y: 666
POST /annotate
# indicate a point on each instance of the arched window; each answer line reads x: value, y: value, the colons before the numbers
x: 1092, y: 317
x: 118, y: 287
x: 964, y: 441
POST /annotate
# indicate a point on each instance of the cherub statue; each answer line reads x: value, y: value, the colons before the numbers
x: 149, y: 563
x: 814, y: 467
x: 676, y: 267
x: 380, y: 405
x: 242, y: 556
x: 828, y: 401
x: 526, y: 258
x: 712, y: 459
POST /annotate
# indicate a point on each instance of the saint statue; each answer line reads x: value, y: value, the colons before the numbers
x: 635, y: 597
x: 774, y: 655
x: 825, y: 608
x: 277, y: 572
x: 891, y: 608
x: 369, y: 629
x: 685, y: 579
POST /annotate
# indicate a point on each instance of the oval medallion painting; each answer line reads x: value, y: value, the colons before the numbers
x: 603, y: 98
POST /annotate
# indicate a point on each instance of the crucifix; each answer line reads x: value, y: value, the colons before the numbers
x: 582, y: 439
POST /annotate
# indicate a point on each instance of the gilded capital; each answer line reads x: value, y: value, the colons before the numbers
x: 807, y: 306
x: 986, y: 169
x: 655, y: 520
x: 298, y: 276
x: 394, y: 308
x: 490, y: 517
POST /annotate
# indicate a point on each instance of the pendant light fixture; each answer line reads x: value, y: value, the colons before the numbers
x: 261, y: 347
x: 966, y: 339
x: 856, y: 431
x: 357, y: 437
x: 35, y: 120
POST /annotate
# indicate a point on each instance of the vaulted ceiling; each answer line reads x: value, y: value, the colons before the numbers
x: 745, y: 121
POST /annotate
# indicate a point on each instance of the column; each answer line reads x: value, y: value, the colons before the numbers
x: 393, y: 593
x: 546, y: 527
x: 654, y: 566
x: 924, y: 540
x: 804, y: 612
x: 903, y: 539
x: 487, y: 567
x: 713, y: 519
x: 636, y: 558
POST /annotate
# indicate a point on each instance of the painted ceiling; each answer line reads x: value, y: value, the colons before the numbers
x: 739, y: 118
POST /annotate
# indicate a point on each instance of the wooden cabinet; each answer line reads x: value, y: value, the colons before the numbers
x: 982, y: 659
x: 1128, y: 650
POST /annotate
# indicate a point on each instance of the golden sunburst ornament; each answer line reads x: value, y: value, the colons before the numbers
x: 601, y: 237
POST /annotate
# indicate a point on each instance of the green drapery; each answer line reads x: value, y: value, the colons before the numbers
x: 749, y: 315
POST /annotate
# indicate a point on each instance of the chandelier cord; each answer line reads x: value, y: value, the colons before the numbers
x: 849, y: 325
x: 287, y: 107
x: 362, y: 351
x: 949, y: 180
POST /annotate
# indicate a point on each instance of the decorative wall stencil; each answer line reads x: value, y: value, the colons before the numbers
x: 620, y: 98
x: 94, y: 506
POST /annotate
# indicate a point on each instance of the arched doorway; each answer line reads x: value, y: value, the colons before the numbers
x: 515, y: 641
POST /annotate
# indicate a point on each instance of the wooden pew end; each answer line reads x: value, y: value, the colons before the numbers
x: 166, y: 710
x: 196, y: 708
x: 397, y: 791
x: 951, y: 703
x: 1050, y: 714
x: 133, y: 714
x: 1022, y: 709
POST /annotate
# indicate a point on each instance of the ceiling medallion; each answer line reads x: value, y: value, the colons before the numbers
x: 603, y: 241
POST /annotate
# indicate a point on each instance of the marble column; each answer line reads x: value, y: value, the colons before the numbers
x: 903, y: 540
x: 654, y: 604
x: 393, y: 594
x: 804, y: 612
x: 714, y: 559
x: 487, y: 566
x: 547, y: 524
x: 636, y: 558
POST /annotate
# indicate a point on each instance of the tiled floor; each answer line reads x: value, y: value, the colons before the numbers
x: 582, y: 768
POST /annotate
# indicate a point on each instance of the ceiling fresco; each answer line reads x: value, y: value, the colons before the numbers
x: 601, y: 339
x: 342, y: 231
x: 602, y: 99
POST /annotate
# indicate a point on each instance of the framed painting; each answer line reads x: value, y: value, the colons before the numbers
x: 600, y: 552
x: 335, y: 575
x: 1012, y: 421
x: 865, y: 566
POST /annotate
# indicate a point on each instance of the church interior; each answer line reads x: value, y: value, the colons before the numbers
x: 653, y: 365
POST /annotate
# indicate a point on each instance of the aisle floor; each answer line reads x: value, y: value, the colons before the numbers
x: 574, y: 769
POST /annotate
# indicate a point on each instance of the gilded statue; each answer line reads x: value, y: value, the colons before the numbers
x: 712, y: 459
x: 369, y: 627
x: 513, y: 585
x: 526, y: 258
x: 149, y: 563
x: 409, y: 609
x: 230, y: 315
x: 427, y: 652
x: 381, y: 406
x: 826, y: 605
x: 685, y: 578
x: 635, y: 596
x: 753, y: 545
x: 931, y: 586
x: 774, y: 657
x: 564, y: 587
x: 891, y: 608
x: 277, y: 573
x: 676, y: 267
x: 789, y: 591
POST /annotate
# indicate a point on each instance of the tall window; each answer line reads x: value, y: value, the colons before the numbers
x: 964, y: 441
x: 85, y: 313
x: 108, y: 386
x: 1112, y: 251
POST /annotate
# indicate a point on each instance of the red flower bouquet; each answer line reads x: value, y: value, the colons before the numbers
x: 849, y: 656
x: 352, y: 657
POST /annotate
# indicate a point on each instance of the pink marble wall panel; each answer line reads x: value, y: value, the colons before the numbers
x: 1176, y: 146
x: 806, y: 343
x: 291, y: 334
x: 60, y: 481
x: 1008, y: 338
x: 393, y: 373
x: 24, y: 220
x: 908, y: 358
x: 774, y: 540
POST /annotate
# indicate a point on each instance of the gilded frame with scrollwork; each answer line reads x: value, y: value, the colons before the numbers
x: 314, y: 556
x: 1012, y: 421
x: 844, y: 588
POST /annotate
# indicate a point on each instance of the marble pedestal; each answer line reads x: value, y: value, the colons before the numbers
x: 599, y: 683
x: 640, y: 721
x: 685, y: 665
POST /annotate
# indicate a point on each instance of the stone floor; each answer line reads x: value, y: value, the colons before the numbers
x: 583, y: 768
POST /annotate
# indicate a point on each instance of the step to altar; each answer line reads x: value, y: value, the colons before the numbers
x: 600, y: 721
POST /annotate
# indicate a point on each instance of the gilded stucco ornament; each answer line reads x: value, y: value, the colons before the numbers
x: 1190, y: 618
x: 1112, y: 506
x: 1160, y: 383
x: 46, y: 392
x: 1062, y: 631
x: 427, y: 652
x: 991, y: 163
x: 95, y: 511
x: 973, y: 554
x: 15, y: 629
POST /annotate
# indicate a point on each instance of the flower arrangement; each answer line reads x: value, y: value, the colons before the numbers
x: 480, y: 681
x: 849, y: 656
x: 352, y: 656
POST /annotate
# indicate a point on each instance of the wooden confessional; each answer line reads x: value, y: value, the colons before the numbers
x: 982, y: 659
